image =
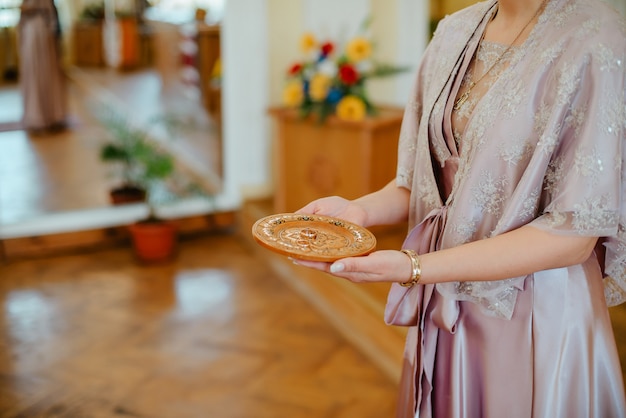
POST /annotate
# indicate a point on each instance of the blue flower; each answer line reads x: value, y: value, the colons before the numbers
x: 334, y: 95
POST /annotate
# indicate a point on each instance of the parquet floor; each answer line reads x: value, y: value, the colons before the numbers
x: 213, y: 334
x: 53, y: 173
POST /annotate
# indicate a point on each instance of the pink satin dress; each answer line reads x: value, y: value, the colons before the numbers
x: 555, y: 357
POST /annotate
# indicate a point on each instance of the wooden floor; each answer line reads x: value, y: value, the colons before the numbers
x: 226, y: 330
x: 214, y: 334
x: 52, y: 173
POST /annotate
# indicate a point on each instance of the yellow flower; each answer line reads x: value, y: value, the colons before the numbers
x: 293, y: 94
x: 216, y: 72
x: 318, y: 89
x: 358, y: 49
x: 308, y: 42
x: 351, y: 108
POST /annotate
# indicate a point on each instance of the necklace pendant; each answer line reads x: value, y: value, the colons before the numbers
x: 461, y: 100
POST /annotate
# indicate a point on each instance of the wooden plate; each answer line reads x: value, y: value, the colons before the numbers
x: 313, y: 237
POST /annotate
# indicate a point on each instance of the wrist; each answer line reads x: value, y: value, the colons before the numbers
x: 416, y: 268
x: 361, y: 213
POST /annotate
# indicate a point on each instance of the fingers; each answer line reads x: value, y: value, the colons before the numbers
x: 313, y: 208
x: 379, y: 266
x: 359, y: 269
x: 316, y: 206
x: 332, y: 268
x: 308, y: 209
x: 317, y: 265
x: 387, y: 266
x: 329, y: 206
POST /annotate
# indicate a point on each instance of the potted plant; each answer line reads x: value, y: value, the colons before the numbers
x: 136, y: 159
x: 92, y: 11
x: 150, y: 169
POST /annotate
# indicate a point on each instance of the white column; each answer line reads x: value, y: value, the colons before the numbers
x: 245, y: 98
x: 413, y: 30
x: 111, y: 35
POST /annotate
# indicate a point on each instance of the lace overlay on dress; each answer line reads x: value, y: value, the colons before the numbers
x: 486, y: 56
x: 540, y: 142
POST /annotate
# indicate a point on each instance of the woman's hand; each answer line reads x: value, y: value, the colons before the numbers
x: 379, y: 266
x: 386, y: 206
x: 337, y: 207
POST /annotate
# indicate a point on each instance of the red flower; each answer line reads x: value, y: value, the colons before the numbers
x: 327, y: 48
x: 295, y: 69
x: 186, y: 59
x: 348, y: 74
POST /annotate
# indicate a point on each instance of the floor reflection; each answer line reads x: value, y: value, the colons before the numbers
x: 201, y: 291
x: 213, y: 334
x: 62, y: 172
x: 47, y: 174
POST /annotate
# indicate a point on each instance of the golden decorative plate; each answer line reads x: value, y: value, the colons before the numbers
x: 313, y: 237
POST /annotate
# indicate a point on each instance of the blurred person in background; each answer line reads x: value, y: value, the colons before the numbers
x: 42, y: 81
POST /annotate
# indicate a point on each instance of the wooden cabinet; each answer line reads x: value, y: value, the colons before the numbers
x: 87, y: 41
x: 9, y: 59
x: 208, y: 55
x: 89, y: 48
x: 348, y: 159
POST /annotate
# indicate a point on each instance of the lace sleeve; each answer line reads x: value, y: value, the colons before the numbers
x: 584, y: 184
x: 407, y: 144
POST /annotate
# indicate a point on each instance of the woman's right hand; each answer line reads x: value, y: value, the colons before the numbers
x: 337, y: 207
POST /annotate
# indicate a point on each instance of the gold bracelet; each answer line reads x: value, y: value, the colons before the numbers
x: 416, y: 269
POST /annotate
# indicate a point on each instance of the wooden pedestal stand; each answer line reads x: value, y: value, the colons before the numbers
x: 347, y: 159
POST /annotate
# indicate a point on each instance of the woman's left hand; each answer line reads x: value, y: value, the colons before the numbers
x: 379, y: 266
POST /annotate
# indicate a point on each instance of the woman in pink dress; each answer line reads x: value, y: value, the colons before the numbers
x: 511, y: 175
x: 42, y: 81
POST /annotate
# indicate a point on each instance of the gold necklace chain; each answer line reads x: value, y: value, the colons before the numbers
x: 465, y: 96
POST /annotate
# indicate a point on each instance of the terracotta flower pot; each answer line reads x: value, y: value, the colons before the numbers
x: 127, y: 194
x: 153, y: 241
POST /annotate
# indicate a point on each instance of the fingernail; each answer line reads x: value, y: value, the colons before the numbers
x: 337, y: 267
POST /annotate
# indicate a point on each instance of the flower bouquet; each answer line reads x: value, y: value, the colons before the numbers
x: 329, y: 82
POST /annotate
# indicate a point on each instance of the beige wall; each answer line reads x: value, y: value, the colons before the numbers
x: 284, y: 29
x: 440, y: 8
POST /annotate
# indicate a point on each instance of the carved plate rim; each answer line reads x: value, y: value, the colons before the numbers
x: 361, y: 240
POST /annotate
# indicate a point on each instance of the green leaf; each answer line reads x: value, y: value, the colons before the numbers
x: 385, y: 70
x: 113, y: 152
x: 365, y: 25
x: 325, y: 109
